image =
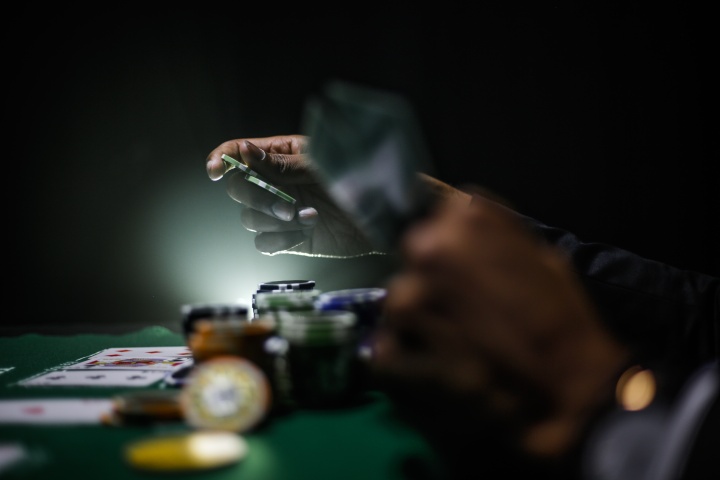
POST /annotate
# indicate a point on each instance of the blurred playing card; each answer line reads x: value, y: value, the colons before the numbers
x: 95, y: 378
x: 368, y: 146
x: 132, y: 363
x: 54, y: 410
x: 147, y: 352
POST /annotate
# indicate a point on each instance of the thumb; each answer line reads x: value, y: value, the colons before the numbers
x: 286, y: 169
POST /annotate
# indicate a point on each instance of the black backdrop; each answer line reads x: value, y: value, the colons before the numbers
x: 594, y: 119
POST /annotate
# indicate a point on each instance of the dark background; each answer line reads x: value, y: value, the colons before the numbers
x: 594, y: 119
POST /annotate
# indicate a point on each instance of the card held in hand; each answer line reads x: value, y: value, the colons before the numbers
x: 368, y: 147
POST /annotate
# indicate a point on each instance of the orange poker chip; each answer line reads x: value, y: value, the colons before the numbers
x: 225, y: 393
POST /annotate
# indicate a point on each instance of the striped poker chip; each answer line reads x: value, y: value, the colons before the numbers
x: 263, y: 184
x: 240, y: 166
x: 226, y: 393
x: 340, y: 299
x: 289, y: 300
x: 312, y: 327
x: 282, y: 285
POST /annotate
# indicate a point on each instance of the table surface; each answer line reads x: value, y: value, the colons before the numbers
x: 359, y: 442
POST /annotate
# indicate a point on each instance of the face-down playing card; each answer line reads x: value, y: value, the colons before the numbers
x: 368, y: 147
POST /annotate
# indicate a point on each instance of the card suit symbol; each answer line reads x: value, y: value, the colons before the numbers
x: 95, y: 377
x: 155, y: 351
x: 136, y: 377
x: 56, y: 377
x: 36, y: 410
x: 124, y: 350
x: 114, y: 355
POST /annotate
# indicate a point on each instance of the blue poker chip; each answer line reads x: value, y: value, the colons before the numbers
x: 354, y: 296
x: 285, y: 285
x: 365, y: 302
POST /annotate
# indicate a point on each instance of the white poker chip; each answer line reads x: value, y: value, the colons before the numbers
x: 226, y: 393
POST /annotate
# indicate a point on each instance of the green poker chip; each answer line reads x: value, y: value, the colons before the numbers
x: 294, y: 300
x: 254, y: 177
x: 263, y: 184
x: 240, y: 166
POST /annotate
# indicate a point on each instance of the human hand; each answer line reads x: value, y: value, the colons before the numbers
x: 314, y: 226
x: 485, y: 316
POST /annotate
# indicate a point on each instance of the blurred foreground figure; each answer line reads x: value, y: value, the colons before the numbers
x: 513, y: 346
x: 491, y: 345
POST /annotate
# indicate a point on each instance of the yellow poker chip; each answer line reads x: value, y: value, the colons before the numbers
x: 186, y: 452
x: 225, y: 393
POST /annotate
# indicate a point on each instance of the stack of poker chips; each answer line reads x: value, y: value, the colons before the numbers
x: 320, y: 356
x: 277, y: 305
x: 286, y: 288
x: 366, y: 303
x: 226, y: 336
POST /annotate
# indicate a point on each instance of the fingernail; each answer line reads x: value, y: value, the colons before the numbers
x: 258, y: 154
x: 308, y: 216
x: 283, y: 210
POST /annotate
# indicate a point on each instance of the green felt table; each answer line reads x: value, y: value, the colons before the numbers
x: 358, y: 442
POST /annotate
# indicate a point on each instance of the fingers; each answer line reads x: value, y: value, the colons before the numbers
x: 284, y: 165
x: 258, y: 198
x: 280, y: 159
x: 257, y: 221
x: 276, y: 242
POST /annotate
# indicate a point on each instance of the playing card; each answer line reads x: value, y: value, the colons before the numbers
x: 146, y: 352
x: 95, y: 378
x: 369, y: 149
x: 166, y: 364
x: 54, y: 410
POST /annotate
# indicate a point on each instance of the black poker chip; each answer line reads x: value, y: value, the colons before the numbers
x: 284, y: 285
x: 192, y: 312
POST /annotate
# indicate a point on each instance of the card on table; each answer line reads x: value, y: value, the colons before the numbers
x: 116, y: 367
x: 54, y: 410
x: 118, y: 352
x: 96, y: 378
x: 166, y: 364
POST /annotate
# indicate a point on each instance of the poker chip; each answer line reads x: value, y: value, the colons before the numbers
x: 284, y: 285
x: 365, y: 302
x: 312, y: 327
x: 226, y: 393
x: 338, y: 299
x: 148, y: 406
x: 192, y: 312
x: 186, y: 452
x: 263, y: 184
x: 271, y: 302
x: 320, y: 359
x: 254, y: 177
x: 240, y: 166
